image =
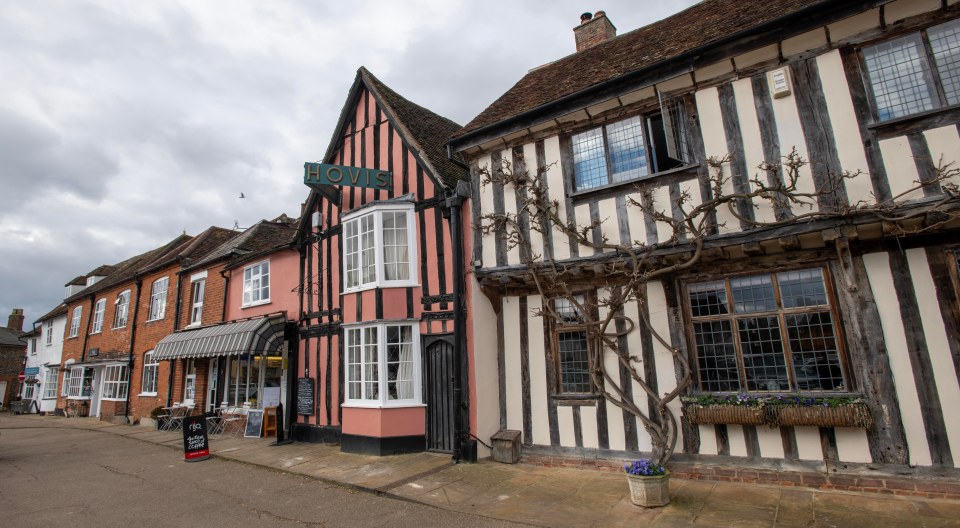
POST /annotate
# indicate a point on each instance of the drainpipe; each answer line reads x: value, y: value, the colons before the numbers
x: 221, y: 394
x: 86, y: 332
x: 176, y: 325
x: 226, y: 287
x: 461, y: 386
x: 133, y: 340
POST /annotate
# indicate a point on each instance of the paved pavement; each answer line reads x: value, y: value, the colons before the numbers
x: 561, y: 497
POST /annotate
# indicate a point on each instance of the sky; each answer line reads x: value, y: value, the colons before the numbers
x: 125, y: 124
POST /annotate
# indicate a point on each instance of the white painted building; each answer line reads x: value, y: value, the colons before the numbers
x: 44, y: 350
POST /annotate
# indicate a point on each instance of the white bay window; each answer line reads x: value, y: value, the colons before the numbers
x: 378, y: 248
x: 383, y: 365
x: 115, y: 382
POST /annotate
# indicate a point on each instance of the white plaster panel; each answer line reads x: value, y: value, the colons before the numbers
x: 714, y: 70
x: 537, y: 240
x: 489, y: 249
x: 756, y: 56
x: 808, y: 443
x: 484, y: 369
x: 551, y: 150
x: 708, y: 440
x: 638, y: 229
x: 659, y: 321
x: 881, y: 283
x: 616, y: 434
x: 791, y: 136
x: 805, y: 42
x: 631, y: 311
x: 565, y: 425
x: 588, y: 427
x: 662, y: 203
x: 676, y: 83
x: 582, y: 215
x: 846, y: 132
x: 771, y: 443
x: 944, y: 145
x: 852, y: 445
x: 938, y: 345
x: 608, y: 215
x: 854, y: 25
x: 511, y: 356
x: 638, y: 95
x: 538, y: 373
x: 897, y: 11
x: 752, y: 144
x: 715, y: 145
x: 691, y: 187
x: 603, y: 106
x: 901, y: 168
x: 738, y: 442
x: 510, y: 206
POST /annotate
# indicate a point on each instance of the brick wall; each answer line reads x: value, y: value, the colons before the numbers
x: 11, y: 364
x: 149, y: 333
x: 212, y: 311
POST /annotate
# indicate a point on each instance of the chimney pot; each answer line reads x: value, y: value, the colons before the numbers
x: 593, y: 29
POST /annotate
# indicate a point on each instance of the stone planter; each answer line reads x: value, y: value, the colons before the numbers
x: 724, y: 414
x: 649, y: 492
x: 848, y: 415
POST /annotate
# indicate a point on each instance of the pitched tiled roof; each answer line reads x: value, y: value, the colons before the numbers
x: 77, y: 281
x: 426, y: 130
x: 193, y: 249
x: 262, y: 238
x: 9, y: 337
x: 61, y: 309
x: 704, y: 24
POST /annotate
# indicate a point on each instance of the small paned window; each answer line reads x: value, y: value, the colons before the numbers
x: 75, y: 321
x: 196, y: 307
x: 916, y: 72
x: 122, y: 309
x: 148, y: 384
x: 98, y: 311
x: 50, y: 383
x: 573, y: 347
x: 378, y: 248
x: 383, y: 366
x: 79, y: 386
x: 769, y: 332
x: 48, y: 330
x: 115, y: 382
x: 158, y: 299
x: 256, y: 284
x: 632, y: 148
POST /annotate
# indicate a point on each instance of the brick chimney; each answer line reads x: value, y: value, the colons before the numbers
x: 593, y: 29
x: 15, y: 320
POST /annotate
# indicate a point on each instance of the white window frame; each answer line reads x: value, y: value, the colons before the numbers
x: 75, y: 386
x: 116, y: 383
x: 75, y: 321
x: 253, y: 284
x: 150, y: 367
x: 49, y: 331
x: 190, y: 381
x: 122, y: 311
x: 50, y: 383
x: 33, y: 346
x: 379, y: 281
x: 98, y: 311
x: 158, y: 299
x: 381, y: 333
x: 29, y: 389
x: 197, y: 291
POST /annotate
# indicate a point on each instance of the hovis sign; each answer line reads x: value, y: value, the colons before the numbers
x: 315, y: 174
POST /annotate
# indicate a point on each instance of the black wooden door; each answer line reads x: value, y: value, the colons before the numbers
x: 439, y: 395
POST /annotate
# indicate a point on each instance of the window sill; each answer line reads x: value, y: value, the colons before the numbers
x: 79, y: 398
x: 153, y: 320
x: 937, y: 117
x: 254, y: 305
x: 96, y: 333
x: 114, y: 399
x: 119, y: 327
x: 146, y: 394
x: 611, y: 187
x: 379, y: 405
x: 381, y: 285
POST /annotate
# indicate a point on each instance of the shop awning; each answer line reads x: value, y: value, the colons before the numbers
x: 254, y: 336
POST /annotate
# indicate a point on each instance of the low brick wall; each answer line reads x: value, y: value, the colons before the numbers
x: 932, y: 488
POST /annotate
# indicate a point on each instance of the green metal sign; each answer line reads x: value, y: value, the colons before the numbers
x: 317, y: 174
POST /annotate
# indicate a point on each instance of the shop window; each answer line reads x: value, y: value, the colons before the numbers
x: 158, y: 299
x: 572, y: 346
x: 122, y: 309
x: 632, y: 148
x: 916, y: 72
x: 771, y: 332
x: 29, y: 387
x: 383, y: 365
x: 75, y: 321
x: 196, y: 306
x: 256, y: 284
x: 50, y: 383
x: 148, y: 382
x: 115, y: 382
x: 80, y: 385
x: 48, y: 329
x: 98, y: 310
x: 378, y: 248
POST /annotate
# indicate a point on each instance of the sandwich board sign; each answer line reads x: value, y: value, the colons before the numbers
x: 195, y: 444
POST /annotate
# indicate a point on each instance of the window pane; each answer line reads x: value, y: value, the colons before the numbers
x: 802, y: 288
x: 708, y: 298
x: 628, y: 156
x: 589, y: 163
x: 900, y: 77
x: 816, y: 361
x: 395, y: 248
x: 716, y: 356
x: 568, y: 311
x: 945, y: 43
x: 574, y: 362
x: 752, y: 294
x: 763, y: 361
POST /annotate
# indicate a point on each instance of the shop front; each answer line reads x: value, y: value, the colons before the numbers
x: 97, y: 388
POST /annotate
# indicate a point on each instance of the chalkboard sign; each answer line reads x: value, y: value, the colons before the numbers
x: 305, y: 396
x: 195, y: 445
x: 254, y: 424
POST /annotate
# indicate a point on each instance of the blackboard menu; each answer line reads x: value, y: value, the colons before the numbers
x: 195, y: 445
x: 254, y: 424
x: 305, y: 396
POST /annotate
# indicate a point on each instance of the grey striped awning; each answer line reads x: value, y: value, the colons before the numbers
x: 254, y: 336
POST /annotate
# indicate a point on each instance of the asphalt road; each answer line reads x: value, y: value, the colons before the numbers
x: 67, y: 477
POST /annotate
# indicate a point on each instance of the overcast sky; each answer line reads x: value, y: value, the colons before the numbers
x: 123, y: 124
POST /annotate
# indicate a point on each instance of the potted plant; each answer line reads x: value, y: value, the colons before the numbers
x: 649, y: 483
x: 159, y: 416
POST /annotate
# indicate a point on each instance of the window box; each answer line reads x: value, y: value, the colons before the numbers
x: 775, y: 411
x: 698, y: 414
x: 855, y: 414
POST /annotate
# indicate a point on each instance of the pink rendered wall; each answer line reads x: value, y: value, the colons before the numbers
x: 284, y: 276
x: 385, y: 422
